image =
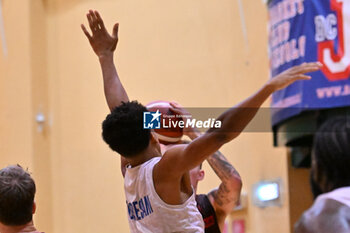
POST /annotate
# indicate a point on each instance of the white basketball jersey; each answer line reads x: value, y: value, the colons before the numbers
x: 148, y: 213
x: 341, y: 195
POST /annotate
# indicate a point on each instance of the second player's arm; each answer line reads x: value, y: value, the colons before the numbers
x: 113, y: 88
x: 104, y: 45
x: 225, y: 197
x: 114, y: 91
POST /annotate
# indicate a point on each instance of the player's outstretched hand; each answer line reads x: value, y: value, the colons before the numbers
x: 293, y: 74
x: 101, y: 41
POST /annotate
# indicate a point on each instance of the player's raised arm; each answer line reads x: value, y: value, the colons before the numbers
x: 104, y: 45
x: 182, y: 158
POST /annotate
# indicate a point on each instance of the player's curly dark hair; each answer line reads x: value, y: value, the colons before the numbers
x: 123, y: 129
x: 332, y: 154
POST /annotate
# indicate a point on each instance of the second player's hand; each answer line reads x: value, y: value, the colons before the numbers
x: 293, y: 74
x: 186, y: 116
x: 101, y: 41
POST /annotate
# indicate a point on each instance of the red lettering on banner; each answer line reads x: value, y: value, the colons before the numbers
x: 336, y: 66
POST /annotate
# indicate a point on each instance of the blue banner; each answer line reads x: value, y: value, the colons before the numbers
x: 306, y: 31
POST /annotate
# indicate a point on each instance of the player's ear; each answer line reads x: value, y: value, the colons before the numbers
x: 201, y: 175
x: 34, y: 208
x: 154, y: 138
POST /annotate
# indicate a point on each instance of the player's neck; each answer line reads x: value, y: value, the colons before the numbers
x: 29, y: 227
x: 146, y: 155
x: 195, y: 190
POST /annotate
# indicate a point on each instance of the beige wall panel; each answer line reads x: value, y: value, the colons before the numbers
x: 299, y: 179
x: 40, y: 99
x: 21, y: 73
x: 88, y: 191
x: 15, y: 87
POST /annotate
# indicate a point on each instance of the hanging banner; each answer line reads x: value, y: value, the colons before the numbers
x: 306, y: 31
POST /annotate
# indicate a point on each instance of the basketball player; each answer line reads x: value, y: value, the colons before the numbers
x: 218, y: 203
x: 330, y: 180
x: 158, y: 190
x: 17, y: 206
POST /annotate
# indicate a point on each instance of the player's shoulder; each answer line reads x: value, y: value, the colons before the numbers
x: 325, y: 215
x: 174, y: 149
x: 201, y: 198
x: 170, y: 156
x: 167, y: 166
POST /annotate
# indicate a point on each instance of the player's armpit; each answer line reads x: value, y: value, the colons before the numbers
x: 168, y: 166
x: 182, y: 158
x: 123, y: 164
